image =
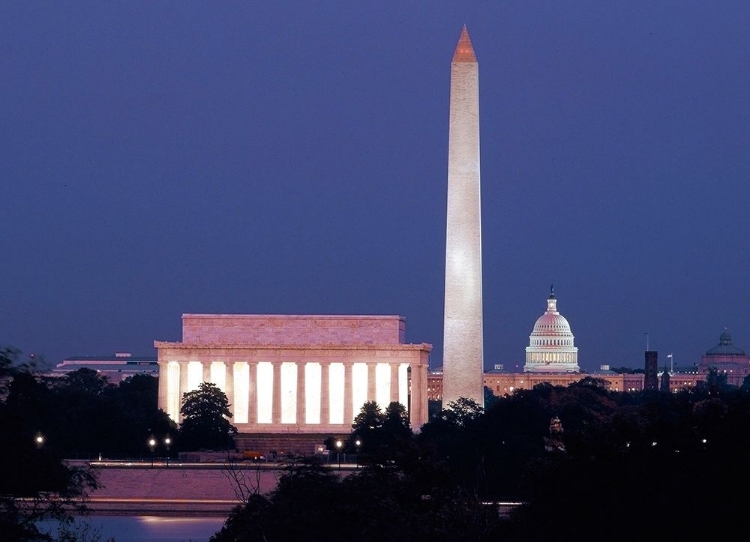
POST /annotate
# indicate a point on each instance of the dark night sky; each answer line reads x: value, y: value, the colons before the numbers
x: 161, y: 158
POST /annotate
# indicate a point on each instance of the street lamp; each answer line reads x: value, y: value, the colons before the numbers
x: 39, y: 440
x: 167, y: 444
x: 338, y: 447
x: 152, y: 445
x: 358, y: 443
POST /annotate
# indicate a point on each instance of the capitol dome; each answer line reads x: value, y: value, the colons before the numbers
x: 551, y: 343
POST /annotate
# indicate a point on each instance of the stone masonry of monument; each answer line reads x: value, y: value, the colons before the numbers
x: 296, y: 373
x: 463, y: 350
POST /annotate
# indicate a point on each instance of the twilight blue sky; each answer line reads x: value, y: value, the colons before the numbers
x: 160, y: 158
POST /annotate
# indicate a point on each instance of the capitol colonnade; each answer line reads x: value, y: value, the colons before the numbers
x: 308, y: 374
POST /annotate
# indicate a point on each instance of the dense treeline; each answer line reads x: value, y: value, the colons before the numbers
x: 82, y: 415
x: 589, y: 464
x: 46, y: 420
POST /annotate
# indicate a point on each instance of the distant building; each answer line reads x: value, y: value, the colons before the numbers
x: 728, y: 359
x: 551, y: 344
x: 116, y: 368
x: 651, y: 378
x: 500, y: 383
x: 506, y: 383
x: 725, y: 357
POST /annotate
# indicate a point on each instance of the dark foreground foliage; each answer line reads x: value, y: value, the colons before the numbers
x: 589, y: 464
x: 312, y: 503
x: 35, y: 482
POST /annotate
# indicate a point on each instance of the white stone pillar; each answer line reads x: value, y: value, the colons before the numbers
x: 348, y: 399
x: 206, y: 371
x: 183, y: 385
x: 371, y: 383
x: 252, y: 399
x: 163, y: 386
x: 394, y: 381
x: 229, y: 379
x: 325, y: 393
x: 276, y: 400
x: 301, y: 394
x: 418, y: 410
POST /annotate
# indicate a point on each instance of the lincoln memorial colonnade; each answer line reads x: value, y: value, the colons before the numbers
x: 311, y: 374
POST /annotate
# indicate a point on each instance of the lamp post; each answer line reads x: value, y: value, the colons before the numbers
x: 152, y: 445
x: 338, y: 448
x: 167, y: 444
x: 358, y: 443
x: 39, y: 440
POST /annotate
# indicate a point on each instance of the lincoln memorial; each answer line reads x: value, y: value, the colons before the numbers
x: 308, y: 373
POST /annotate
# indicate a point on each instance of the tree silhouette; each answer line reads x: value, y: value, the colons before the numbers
x: 205, y: 419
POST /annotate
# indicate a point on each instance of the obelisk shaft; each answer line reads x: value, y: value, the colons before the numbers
x: 463, y: 351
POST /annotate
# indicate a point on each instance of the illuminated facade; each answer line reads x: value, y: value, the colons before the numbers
x: 463, y: 351
x: 116, y: 368
x: 551, y: 348
x: 728, y: 359
x: 501, y: 384
x: 309, y: 374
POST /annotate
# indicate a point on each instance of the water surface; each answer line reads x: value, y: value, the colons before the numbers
x: 149, y: 528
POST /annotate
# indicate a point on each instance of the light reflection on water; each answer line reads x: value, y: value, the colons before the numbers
x: 149, y: 528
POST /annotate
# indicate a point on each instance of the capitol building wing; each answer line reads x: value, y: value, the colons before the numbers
x: 551, y: 347
x: 311, y: 374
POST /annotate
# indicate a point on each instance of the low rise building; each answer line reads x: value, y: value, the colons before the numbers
x: 116, y: 368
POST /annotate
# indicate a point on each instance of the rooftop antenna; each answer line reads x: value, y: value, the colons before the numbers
x: 647, y: 350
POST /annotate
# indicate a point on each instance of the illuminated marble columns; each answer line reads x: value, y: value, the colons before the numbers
x: 315, y: 387
x: 273, y: 395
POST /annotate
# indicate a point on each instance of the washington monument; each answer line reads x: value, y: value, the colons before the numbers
x: 463, y: 350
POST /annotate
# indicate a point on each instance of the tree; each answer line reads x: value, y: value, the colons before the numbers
x: 366, y: 427
x: 35, y: 482
x: 462, y: 412
x: 139, y: 417
x: 85, y: 420
x: 489, y: 397
x: 205, y: 419
x: 86, y: 383
x: 311, y: 503
x: 396, y: 420
x: 716, y: 382
x: 455, y: 438
x: 382, y: 436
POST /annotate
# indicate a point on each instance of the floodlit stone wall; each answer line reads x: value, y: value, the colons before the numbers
x: 284, y: 329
